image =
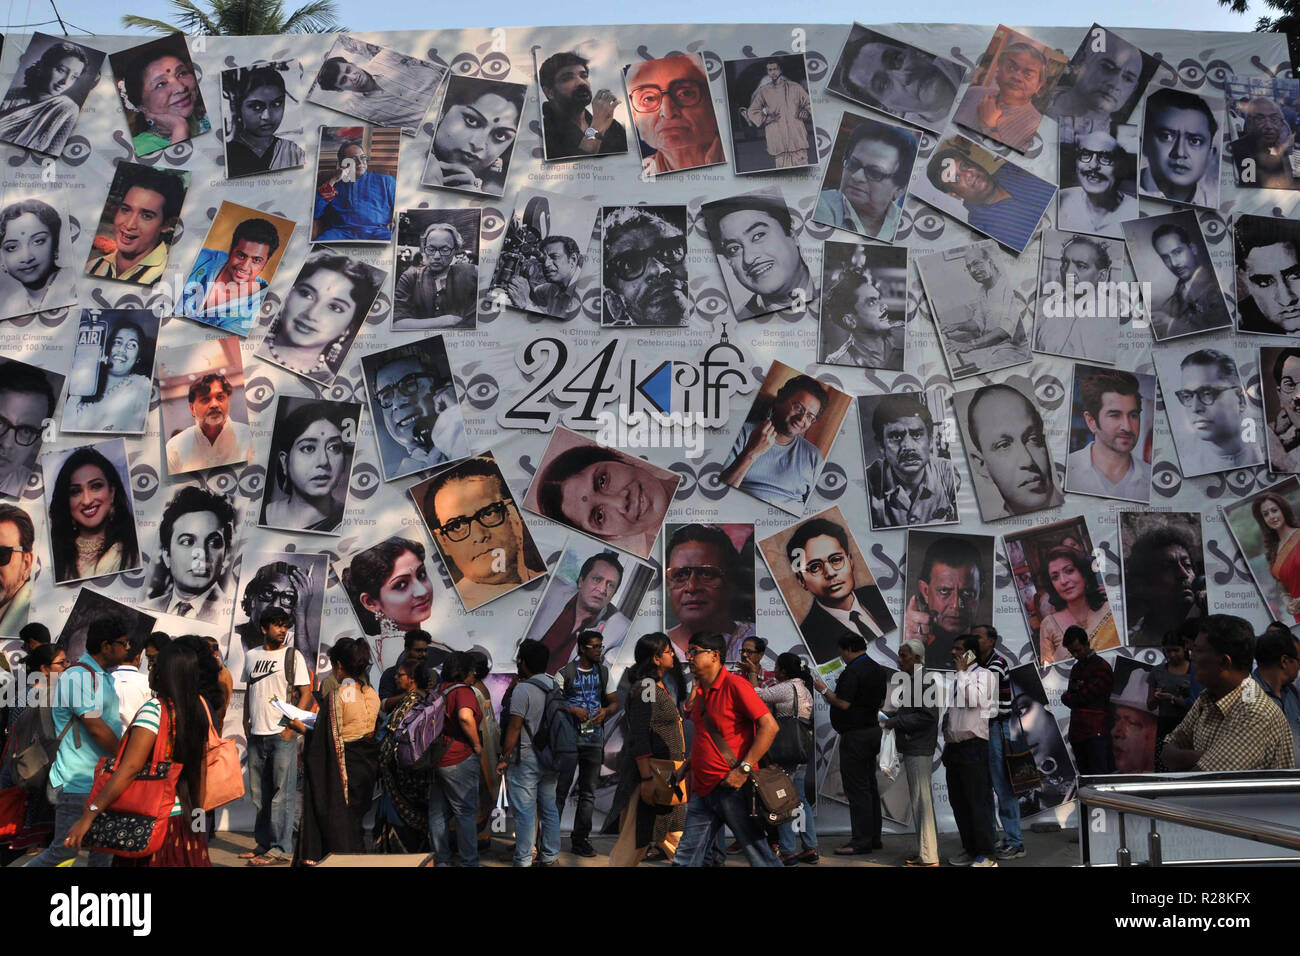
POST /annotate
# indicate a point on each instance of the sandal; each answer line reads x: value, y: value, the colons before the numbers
x: 253, y: 854
x: 269, y: 859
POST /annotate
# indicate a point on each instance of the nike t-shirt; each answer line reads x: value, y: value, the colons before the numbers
x: 264, y: 676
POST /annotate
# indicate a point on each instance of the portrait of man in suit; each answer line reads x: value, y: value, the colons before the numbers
x: 822, y: 563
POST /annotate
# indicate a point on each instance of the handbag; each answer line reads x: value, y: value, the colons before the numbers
x: 1022, y: 770
x: 222, y: 780
x: 773, y: 799
x: 136, y: 823
x: 669, y: 791
x: 793, y: 745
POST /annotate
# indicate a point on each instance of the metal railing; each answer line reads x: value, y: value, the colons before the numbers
x: 1215, y: 821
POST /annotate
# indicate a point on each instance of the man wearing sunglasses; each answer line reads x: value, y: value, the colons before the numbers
x: 17, y: 540
x: 644, y: 263
x: 1212, y: 404
x: 411, y: 390
x: 674, y: 114
x: 873, y: 178
x: 478, y: 529
x: 26, y: 402
x: 566, y: 610
x: 771, y: 459
x: 287, y: 587
x: 822, y: 563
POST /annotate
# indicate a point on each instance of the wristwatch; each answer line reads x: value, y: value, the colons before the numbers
x: 93, y: 807
x: 591, y: 133
x: 746, y: 769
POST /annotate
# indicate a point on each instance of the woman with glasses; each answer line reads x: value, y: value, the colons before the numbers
x: 412, y: 392
x: 1079, y: 599
x: 1279, y: 529
x: 674, y: 115
x: 476, y: 135
x: 92, y: 530
x: 310, y: 455
x: 644, y: 264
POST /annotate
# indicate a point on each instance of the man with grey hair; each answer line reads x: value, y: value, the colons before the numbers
x: 1214, y: 410
x: 442, y: 291
x: 913, y: 708
x: 644, y: 269
x: 989, y: 332
x: 1264, y: 156
x: 1004, y: 109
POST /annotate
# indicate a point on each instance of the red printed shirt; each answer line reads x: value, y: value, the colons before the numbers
x: 734, y: 709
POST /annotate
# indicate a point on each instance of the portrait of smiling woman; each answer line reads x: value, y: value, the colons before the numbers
x: 92, y: 520
x: 33, y: 234
x: 112, y: 379
x: 321, y: 315
x: 45, y: 98
x: 160, y: 93
x: 310, y: 463
x: 476, y: 134
x: 390, y: 589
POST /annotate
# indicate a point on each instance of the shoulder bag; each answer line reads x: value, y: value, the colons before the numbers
x: 222, y: 780
x: 669, y: 791
x: 773, y: 799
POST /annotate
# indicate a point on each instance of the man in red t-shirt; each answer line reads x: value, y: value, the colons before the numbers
x: 726, y: 711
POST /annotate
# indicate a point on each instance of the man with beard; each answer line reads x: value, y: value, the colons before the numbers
x: 440, y: 289
x: 1097, y: 205
x: 148, y: 211
x: 213, y: 439
x: 909, y: 485
x: 1109, y: 465
x: 644, y: 269
x: 754, y: 235
x: 947, y: 596
x: 989, y: 331
x: 194, y: 540
x: 895, y: 78
x: 417, y: 401
x: 354, y: 204
x: 703, y: 572
x: 875, y: 340
x: 1004, y: 110
x: 17, y: 547
x: 1214, y: 405
x: 1284, y: 430
x: 1178, y: 141
x: 561, y: 265
x: 1005, y: 204
x: 571, y: 129
x: 771, y: 459
x: 225, y: 289
x: 819, y: 556
x: 781, y: 108
x: 1102, y: 78
x: 877, y: 166
x: 1264, y: 157
x: 1268, y: 275
x: 567, y: 610
x: 1008, y: 447
x: 1163, y: 581
x: 1196, y: 304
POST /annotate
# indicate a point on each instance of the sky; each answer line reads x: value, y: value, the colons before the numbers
x: 362, y: 15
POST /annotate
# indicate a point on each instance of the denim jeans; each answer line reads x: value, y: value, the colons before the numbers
x: 588, y: 773
x: 454, y: 790
x: 808, y: 837
x: 68, y: 808
x: 1008, y: 802
x: 531, y: 792
x: 707, y: 814
x: 273, y: 788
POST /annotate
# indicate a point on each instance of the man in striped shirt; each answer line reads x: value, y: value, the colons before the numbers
x: 1013, y: 843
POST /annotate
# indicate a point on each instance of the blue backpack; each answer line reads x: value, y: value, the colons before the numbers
x: 556, y: 742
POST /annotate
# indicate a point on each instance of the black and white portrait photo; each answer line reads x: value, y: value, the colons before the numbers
x: 204, y: 414
x: 1171, y: 259
x: 1098, y: 172
x: 1008, y: 449
x: 262, y: 125
x: 1182, y: 136
x: 864, y: 305
x: 414, y: 407
x: 644, y: 281
x: 475, y: 136
x: 1085, y: 287
x: 581, y: 102
x: 911, y: 478
x: 1261, y: 134
x: 1033, y: 727
x: 44, y: 100
x: 437, y: 269
x: 36, y: 270
x: 28, y: 396
x: 140, y: 221
x: 757, y: 245
x: 1267, y: 274
x: 90, y: 511
x: 1111, y: 433
x: 376, y: 84
x: 110, y: 382
x: 294, y: 582
x: 541, y: 262
x: 1163, y: 566
x: 310, y: 464
x: 1279, y: 382
x: 866, y: 177
x: 1216, y: 427
x: 159, y: 89
x: 980, y: 299
x: 771, y: 113
x: 1102, y: 85
x: 897, y: 78
x: 193, y: 557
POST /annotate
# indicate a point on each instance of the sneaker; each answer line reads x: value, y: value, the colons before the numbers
x: 961, y: 859
x: 582, y: 848
x: 1010, y: 852
x: 809, y: 856
x: 983, y: 861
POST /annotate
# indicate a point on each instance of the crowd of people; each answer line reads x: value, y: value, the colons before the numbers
x: 692, y: 739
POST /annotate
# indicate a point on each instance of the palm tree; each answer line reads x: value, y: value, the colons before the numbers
x: 1288, y: 22
x: 242, y: 18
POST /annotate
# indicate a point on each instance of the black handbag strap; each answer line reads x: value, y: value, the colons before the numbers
x: 716, y: 736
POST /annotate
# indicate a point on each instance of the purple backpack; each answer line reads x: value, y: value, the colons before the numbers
x: 420, y: 736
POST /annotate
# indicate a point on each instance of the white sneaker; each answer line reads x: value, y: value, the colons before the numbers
x: 961, y: 859
x: 983, y: 861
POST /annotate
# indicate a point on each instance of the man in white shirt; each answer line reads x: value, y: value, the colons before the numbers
x: 972, y: 701
x: 1211, y: 432
x: 213, y: 439
x: 194, y: 539
x: 132, y: 686
x: 1109, y: 465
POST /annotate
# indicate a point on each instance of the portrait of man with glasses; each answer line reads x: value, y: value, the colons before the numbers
x: 866, y: 179
x: 676, y: 125
x: 709, y: 585
x: 1213, y: 426
x: 911, y: 480
x: 1104, y: 191
x: 437, y: 269
x: 771, y: 458
x: 292, y: 582
x: 479, y: 531
x: 411, y: 392
x: 1280, y: 367
x: 353, y: 202
x: 643, y: 266
x: 27, y: 399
